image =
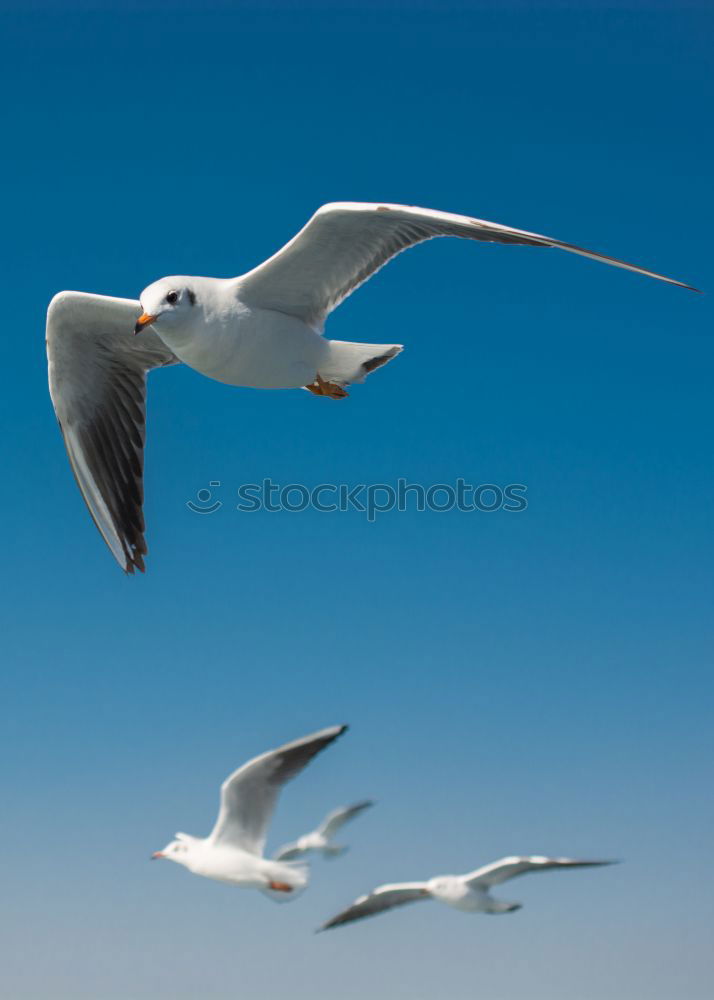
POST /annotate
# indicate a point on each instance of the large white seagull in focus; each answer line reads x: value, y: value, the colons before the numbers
x: 263, y: 330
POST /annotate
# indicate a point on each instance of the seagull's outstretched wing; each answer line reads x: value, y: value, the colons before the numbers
x: 97, y: 375
x: 507, y: 868
x: 289, y: 852
x: 249, y: 795
x: 385, y: 897
x: 344, y: 243
x: 338, y: 817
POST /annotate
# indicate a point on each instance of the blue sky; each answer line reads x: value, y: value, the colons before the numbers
x: 530, y: 682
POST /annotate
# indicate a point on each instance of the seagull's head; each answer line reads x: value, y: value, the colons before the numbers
x: 167, y: 304
x: 178, y: 850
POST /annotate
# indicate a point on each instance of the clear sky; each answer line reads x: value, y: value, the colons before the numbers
x: 515, y: 682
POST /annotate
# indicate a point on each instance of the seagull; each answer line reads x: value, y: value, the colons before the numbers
x: 319, y: 839
x: 263, y: 330
x: 233, y: 851
x: 470, y: 892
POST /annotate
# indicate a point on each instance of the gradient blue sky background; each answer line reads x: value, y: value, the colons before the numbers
x: 533, y: 682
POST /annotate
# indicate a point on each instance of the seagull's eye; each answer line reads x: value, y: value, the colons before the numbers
x: 172, y: 298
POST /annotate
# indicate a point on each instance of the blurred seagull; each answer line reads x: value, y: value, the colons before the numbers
x: 263, y: 329
x: 233, y: 851
x: 319, y: 839
x: 470, y: 892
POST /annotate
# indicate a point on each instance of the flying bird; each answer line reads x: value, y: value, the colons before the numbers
x: 263, y: 330
x: 233, y: 851
x: 321, y: 838
x: 470, y: 892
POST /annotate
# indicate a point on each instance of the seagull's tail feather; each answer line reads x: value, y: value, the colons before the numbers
x: 348, y: 363
x: 501, y: 906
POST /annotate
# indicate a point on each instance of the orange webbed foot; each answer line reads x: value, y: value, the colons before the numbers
x: 330, y: 389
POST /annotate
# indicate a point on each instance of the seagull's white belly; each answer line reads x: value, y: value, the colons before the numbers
x: 460, y: 896
x: 256, y: 348
x: 230, y: 865
x: 470, y: 902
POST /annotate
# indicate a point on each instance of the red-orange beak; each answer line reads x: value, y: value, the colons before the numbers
x: 157, y: 854
x: 146, y: 319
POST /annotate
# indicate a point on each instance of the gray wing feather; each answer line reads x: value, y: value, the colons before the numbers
x: 248, y: 796
x: 338, y: 817
x: 97, y: 378
x: 511, y: 867
x: 345, y: 243
x: 289, y: 852
x: 385, y: 897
